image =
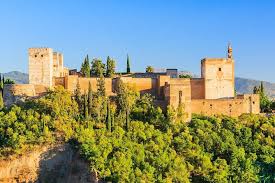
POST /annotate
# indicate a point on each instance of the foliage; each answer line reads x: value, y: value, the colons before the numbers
x: 128, y: 70
x: 265, y: 102
x: 85, y: 67
x: 149, y: 69
x: 128, y: 139
x: 98, y: 68
x: 1, y: 100
x: 185, y: 76
x: 110, y: 69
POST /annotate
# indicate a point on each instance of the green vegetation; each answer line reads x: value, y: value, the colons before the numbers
x: 110, y: 69
x: 128, y: 69
x: 85, y: 67
x: 266, y: 104
x: 125, y: 138
x: 149, y: 69
x: 185, y: 76
x: 98, y: 68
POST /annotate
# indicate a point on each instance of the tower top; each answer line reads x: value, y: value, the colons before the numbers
x: 229, y: 51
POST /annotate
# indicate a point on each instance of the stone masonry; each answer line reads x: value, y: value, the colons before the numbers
x: 212, y: 93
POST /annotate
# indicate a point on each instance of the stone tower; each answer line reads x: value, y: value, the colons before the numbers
x: 41, y: 66
x: 218, y: 75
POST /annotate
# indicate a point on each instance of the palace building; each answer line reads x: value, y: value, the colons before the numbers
x: 212, y: 93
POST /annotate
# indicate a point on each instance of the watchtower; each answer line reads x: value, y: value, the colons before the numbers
x: 41, y: 66
x: 218, y: 75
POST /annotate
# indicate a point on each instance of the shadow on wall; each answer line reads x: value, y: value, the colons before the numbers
x: 63, y: 165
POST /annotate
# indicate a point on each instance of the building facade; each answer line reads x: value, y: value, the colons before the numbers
x: 212, y: 93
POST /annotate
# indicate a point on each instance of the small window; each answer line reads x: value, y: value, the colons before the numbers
x: 210, y: 105
x: 220, y: 69
x: 253, y: 102
x: 35, y: 55
x: 41, y: 55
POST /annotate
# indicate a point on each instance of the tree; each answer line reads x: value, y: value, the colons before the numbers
x: 1, y: 83
x: 128, y: 65
x: 262, y: 87
x: 97, y: 68
x: 8, y: 81
x: 85, y: 67
x: 149, y: 69
x: 77, y: 95
x: 90, y: 99
x: 85, y: 109
x: 185, y: 76
x: 101, y: 86
x: 109, y: 117
x: 110, y: 69
x: 1, y: 100
x: 265, y: 102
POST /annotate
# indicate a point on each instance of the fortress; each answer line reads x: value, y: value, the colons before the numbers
x: 212, y: 93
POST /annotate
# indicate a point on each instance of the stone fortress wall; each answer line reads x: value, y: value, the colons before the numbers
x: 211, y: 94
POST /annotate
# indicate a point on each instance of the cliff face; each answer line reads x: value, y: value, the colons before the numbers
x: 48, y: 164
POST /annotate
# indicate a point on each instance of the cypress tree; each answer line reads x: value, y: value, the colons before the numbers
x: 1, y: 83
x: 110, y: 68
x: 78, y: 95
x: 101, y: 86
x: 1, y: 100
x: 109, y: 117
x: 127, y: 119
x: 128, y: 65
x: 86, y: 113
x: 90, y: 99
x: 262, y: 87
x: 85, y: 67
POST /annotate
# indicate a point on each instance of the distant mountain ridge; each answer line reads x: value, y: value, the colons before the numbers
x: 242, y: 85
x: 18, y: 77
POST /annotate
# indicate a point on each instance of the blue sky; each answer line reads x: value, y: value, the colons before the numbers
x: 164, y: 34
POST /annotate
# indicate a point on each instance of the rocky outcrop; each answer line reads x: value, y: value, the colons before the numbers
x: 59, y: 163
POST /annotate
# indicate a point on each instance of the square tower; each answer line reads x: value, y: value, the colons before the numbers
x: 41, y: 66
x: 218, y: 74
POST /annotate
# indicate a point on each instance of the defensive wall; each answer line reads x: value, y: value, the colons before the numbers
x: 212, y: 93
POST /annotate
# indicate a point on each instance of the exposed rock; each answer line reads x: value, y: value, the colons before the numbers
x: 60, y: 163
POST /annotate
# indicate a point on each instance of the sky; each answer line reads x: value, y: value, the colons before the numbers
x: 160, y: 33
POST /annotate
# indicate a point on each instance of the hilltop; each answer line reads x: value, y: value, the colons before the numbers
x: 243, y: 85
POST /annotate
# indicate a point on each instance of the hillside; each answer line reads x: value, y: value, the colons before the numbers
x: 242, y: 85
x: 18, y: 77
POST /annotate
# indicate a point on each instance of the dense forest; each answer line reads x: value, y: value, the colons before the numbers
x: 125, y: 138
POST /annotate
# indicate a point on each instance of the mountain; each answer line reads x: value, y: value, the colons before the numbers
x: 18, y: 77
x: 242, y: 85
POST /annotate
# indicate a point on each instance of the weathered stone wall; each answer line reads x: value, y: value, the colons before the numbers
x: 232, y: 107
x: 197, y: 88
x: 179, y: 91
x: 142, y: 85
x: 219, y: 77
x: 14, y: 93
x: 71, y: 83
x: 41, y: 66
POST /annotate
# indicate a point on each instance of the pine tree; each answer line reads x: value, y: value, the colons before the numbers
x: 85, y: 67
x: 109, y: 117
x: 90, y: 99
x: 128, y: 65
x: 1, y: 100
